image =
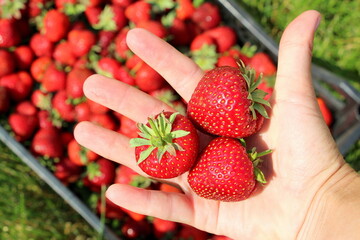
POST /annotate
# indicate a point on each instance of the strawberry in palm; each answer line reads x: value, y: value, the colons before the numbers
x: 226, y: 102
x: 167, y: 146
x: 225, y: 171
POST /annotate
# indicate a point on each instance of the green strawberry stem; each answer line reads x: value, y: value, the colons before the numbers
x: 256, y: 160
x: 256, y: 96
x: 158, y: 136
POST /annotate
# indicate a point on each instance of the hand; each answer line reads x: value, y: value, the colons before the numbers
x: 304, y: 155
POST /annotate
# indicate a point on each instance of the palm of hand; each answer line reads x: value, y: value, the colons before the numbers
x: 296, y: 132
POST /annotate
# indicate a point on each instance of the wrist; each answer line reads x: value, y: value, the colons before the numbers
x: 335, y: 210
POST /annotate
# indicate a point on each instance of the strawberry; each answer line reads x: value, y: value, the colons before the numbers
x: 75, y: 81
x: 224, y: 36
x: 226, y: 102
x: 93, y: 14
x: 24, y: 57
x: 66, y: 171
x: 242, y: 54
x: 147, y: 79
x: 325, y: 111
x: 9, y: 34
x: 111, y: 18
x: 105, y: 40
x: 125, y: 175
x: 127, y: 127
x: 189, y: 232
x: 39, y: 66
x: 34, y: 7
x: 82, y: 112
x: 56, y: 25
x: 62, y: 106
x: 105, y: 120
x: 200, y: 40
x: 45, y: 120
x: 109, y: 209
x: 46, y: 142
x: 23, y: 125
x: 41, y: 45
x: 225, y: 171
x: 122, y: 3
x: 267, y: 85
x: 138, y: 11
x: 226, y: 61
x: 220, y: 237
x: 8, y: 64
x: 155, y: 27
x: 19, y: 85
x: 96, y: 108
x: 169, y: 188
x: 167, y: 145
x: 99, y: 173
x: 207, y: 16
x: 107, y: 66
x: 81, y: 41
x: 164, y: 228
x: 185, y: 9
x: 4, y: 100
x: 123, y: 74
x: 180, y: 33
x: 262, y: 63
x: 54, y: 79
x: 121, y: 47
x: 63, y: 53
x: 80, y: 155
x: 27, y: 108
x: 134, y: 62
x: 132, y: 229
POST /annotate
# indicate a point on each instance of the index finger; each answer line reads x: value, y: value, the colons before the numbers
x: 178, y: 70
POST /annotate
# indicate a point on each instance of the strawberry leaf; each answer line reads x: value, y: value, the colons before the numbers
x: 145, y: 154
x: 179, y: 133
x: 259, y: 175
x: 136, y: 142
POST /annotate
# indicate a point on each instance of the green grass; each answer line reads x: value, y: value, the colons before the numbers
x: 29, y: 209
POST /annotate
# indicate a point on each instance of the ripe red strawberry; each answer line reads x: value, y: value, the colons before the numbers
x: 127, y: 127
x: 121, y: 47
x: 9, y: 34
x: 226, y: 61
x: 325, y: 111
x: 62, y: 106
x: 123, y: 74
x: 23, y: 125
x: 46, y: 142
x: 27, y: 108
x: 109, y: 209
x: 99, y: 173
x: 92, y: 14
x: 200, y: 40
x: 122, y: 3
x: 185, y: 9
x: 82, y: 112
x: 45, y: 120
x: 224, y: 36
x: 241, y: 53
x: 63, y: 53
x: 169, y: 188
x: 180, y: 33
x: 207, y: 16
x: 81, y: 41
x: 111, y: 18
x: 147, y: 79
x: 189, y: 232
x: 125, y: 175
x: 105, y: 120
x: 41, y: 45
x: 7, y: 65
x: 19, y: 85
x: 220, y: 237
x: 226, y: 102
x: 225, y: 171
x: 105, y: 40
x: 132, y: 229
x: 75, y: 81
x: 66, y: 171
x: 34, y: 7
x: 153, y: 26
x: 164, y: 228
x: 134, y: 62
x: 138, y: 11
x: 56, y: 25
x: 39, y: 66
x: 96, y: 107
x: 54, y: 79
x: 80, y: 155
x: 107, y: 66
x: 4, y: 100
x: 167, y: 146
x: 24, y: 57
x: 262, y: 63
x: 267, y: 85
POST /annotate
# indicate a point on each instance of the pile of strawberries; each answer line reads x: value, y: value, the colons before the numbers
x: 48, y: 49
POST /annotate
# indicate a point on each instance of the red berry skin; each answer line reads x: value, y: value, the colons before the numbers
x: 46, y: 142
x: 23, y: 125
x: 81, y: 41
x: 325, y: 111
x: 9, y: 34
x: 75, y: 81
x: 24, y: 57
x: 147, y: 79
x: 103, y: 177
x: 224, y: 37
x: 4, y: 100
x: 7, y: 64
x: 220, y: 104
x: 54, y: 79
x: 63, y: 53
x: 224, y: 172
x: 172, y: 166
x: 39, y: 66
x: 18, y: 84
x: 41, y: 45
x: 138, y: 11
x: 155, y: 27
x: 207, y: 16
x: 56, y: 25
x: 262, y: 63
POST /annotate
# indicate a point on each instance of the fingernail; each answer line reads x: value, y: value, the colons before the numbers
x: 318, y: 22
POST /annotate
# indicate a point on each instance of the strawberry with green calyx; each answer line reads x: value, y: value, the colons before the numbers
x: 226, y: 102
x: 167, y: 146
x: 225, y: 171
x: 205, y: 57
